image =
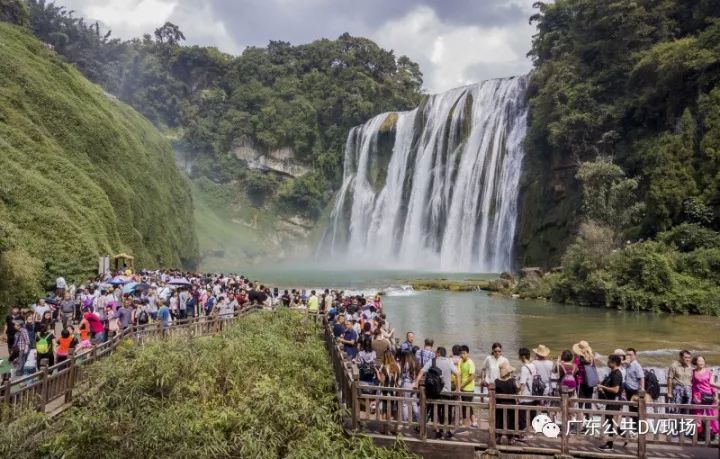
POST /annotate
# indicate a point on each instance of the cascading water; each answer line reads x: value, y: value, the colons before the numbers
x: 435, y: 187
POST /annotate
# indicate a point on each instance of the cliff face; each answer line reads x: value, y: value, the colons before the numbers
x: 81, y: 175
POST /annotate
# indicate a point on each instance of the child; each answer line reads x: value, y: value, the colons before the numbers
x: 65, y: 343
x: 85, y: 335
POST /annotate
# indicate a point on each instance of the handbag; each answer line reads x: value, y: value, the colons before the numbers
x: 707, y: 399
x: 591, y: 375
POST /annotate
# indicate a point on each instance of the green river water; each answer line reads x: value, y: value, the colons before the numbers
x: 478, y: 320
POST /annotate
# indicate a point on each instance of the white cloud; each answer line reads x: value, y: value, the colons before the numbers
x: 133, y: 18
x: 451, y: 55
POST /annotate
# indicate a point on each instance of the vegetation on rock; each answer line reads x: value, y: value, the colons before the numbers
x: 82, y: 175
x: 262, y: 388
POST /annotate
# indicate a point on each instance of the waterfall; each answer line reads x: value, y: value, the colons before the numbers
x: 436, y: 187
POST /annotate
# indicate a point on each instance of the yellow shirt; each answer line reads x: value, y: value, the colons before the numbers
x: 467, y: 369
x: 313, y: 303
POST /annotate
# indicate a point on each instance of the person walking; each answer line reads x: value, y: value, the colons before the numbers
x: 20, y: 347
x: 67, y: 310
x: 467, y: 384
x: 610, y: 389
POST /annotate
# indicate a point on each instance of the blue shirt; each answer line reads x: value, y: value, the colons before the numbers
x: 164, y: 315
x: 633, y: 375
x: 350, y: 349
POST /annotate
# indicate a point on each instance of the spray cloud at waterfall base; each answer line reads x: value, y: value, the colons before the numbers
x: 434, y: 188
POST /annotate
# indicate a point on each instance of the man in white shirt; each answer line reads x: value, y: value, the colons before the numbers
x: 491, y: 367
x: 40, y: 308
x: 528, y: 371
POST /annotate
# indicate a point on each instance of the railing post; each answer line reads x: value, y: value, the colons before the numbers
x: 422, y: 419
x: 492, y: 434
x: 642, y: 419
x: 355, y: 402
x: 6, y: 387
x: 71, y: 377
x: 565, y: 427
x: 44, y: 387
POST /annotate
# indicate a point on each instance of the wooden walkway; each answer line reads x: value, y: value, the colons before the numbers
x: 377, y: 412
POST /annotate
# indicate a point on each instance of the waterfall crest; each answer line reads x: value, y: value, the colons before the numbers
x: 434, y: 188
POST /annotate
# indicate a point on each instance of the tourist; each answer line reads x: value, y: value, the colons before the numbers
x: 285, y: 299
x: 679, y: 382
x: 10, y: 328
x: 339, y: 327
x: 65, y: 344
x: 123, y: 315
x: 40, y: 309
x: 586, y: 376
x: 450, y: 373
x: 30, y: 366
x: 60, y: 286
x: 408, y: 374
x: 389, y: 377
x: 20, y: 347
x: 491, y: 366
x: 366, y: 361
x: 174, y: 305
x: 634, y: 377
x: 30, y: 327
x: 349, y: 339
x: 567, y: 370
x: 408, y: 345
x: 328, y: 303
x: 705, y: 393
x: 44, y: 345
x: 467, y: 384
x: 183, y: 298
x: 544, y: 367
x: 425, y: 354
x: 84, y: 335
x: 505, y: 385
x: 96, y: 327
x: 313, y: 302
x: 528, y: 371
x: 610, y: 389
x: 380, y: 343
x: 67, y: 309
x: 163, y: 315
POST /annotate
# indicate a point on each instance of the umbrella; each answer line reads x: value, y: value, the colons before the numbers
x: 128, y: 288
x: 179, y: 281
x: 117, y: 281
x: 141, y: 287
x: 51, y: 300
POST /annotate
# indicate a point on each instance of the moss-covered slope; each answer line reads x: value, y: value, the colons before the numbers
x: 81, y: 175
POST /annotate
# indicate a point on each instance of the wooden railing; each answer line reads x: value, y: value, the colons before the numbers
x: 53, y: 388
x: 378, y: 410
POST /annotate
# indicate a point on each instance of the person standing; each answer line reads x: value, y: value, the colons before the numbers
x: 679, y: 382
x: 44, y: 345
x: 467, y: 384
x: 21, y: 345
x: 408, y: 345
x: 634, y: 377
x: 10, y: 328
x: 349, y: 339
x: 528, y: 371
x: 449, y: 373
x: 425, y: 354
x: 67, y: 310
x: 705, y: 393
x: 505, y: 385
x: 60, y: 286
x: 491, y: 366
x: 313, y: 302
x: 610, y: 389
x: 544, y: 367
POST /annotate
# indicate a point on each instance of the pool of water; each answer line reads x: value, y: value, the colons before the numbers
x: 478, y: 320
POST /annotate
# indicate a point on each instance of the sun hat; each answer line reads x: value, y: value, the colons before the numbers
x: 619, y: 352
x: 542, y: 350
x: 584, y: 350
x: 506, y: 370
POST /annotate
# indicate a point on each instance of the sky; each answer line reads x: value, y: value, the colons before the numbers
x: 456, y: 42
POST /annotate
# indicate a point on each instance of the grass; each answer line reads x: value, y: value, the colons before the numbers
x: 82, y: 175
x: 262, y: 389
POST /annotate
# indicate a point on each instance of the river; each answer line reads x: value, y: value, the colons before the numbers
x: 478, y: 320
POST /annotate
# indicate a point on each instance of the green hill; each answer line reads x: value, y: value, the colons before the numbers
x: 81, y: 174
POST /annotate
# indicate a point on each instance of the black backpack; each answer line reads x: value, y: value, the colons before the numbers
x: 143, y: 317
x: 366, y: 371
x: 433, y: 381
x: 538, y: 386
x: 652, y: 386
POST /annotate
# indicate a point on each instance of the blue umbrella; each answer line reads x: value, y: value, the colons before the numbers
x: 128, y: 288
x: 117, y: 281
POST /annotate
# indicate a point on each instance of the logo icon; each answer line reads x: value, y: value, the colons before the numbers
x: 543, y: 423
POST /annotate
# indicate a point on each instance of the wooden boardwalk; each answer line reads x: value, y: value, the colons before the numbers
x: 376, y: 412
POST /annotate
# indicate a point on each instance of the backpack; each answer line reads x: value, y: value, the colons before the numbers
x: 568, y: 379
x: 433, y: 382
x: 591, y: 376
x: 143, y: 317
x: 652, y: 386
x: 367, y: 371
x: 43, y: 345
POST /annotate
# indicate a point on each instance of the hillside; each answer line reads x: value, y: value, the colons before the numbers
x: 81, y: 175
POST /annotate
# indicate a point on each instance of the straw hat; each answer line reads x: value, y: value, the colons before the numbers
x: 584, y: 350
x: 506, y: 370
x: 542, y: 350
x: 619, y: 352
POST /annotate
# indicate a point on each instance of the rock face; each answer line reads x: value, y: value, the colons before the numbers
x: 281, y: 160
x: 530, y: 274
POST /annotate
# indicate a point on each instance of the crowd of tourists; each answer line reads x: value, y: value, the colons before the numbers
x: 449, y: 372
x: 78, y: 317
